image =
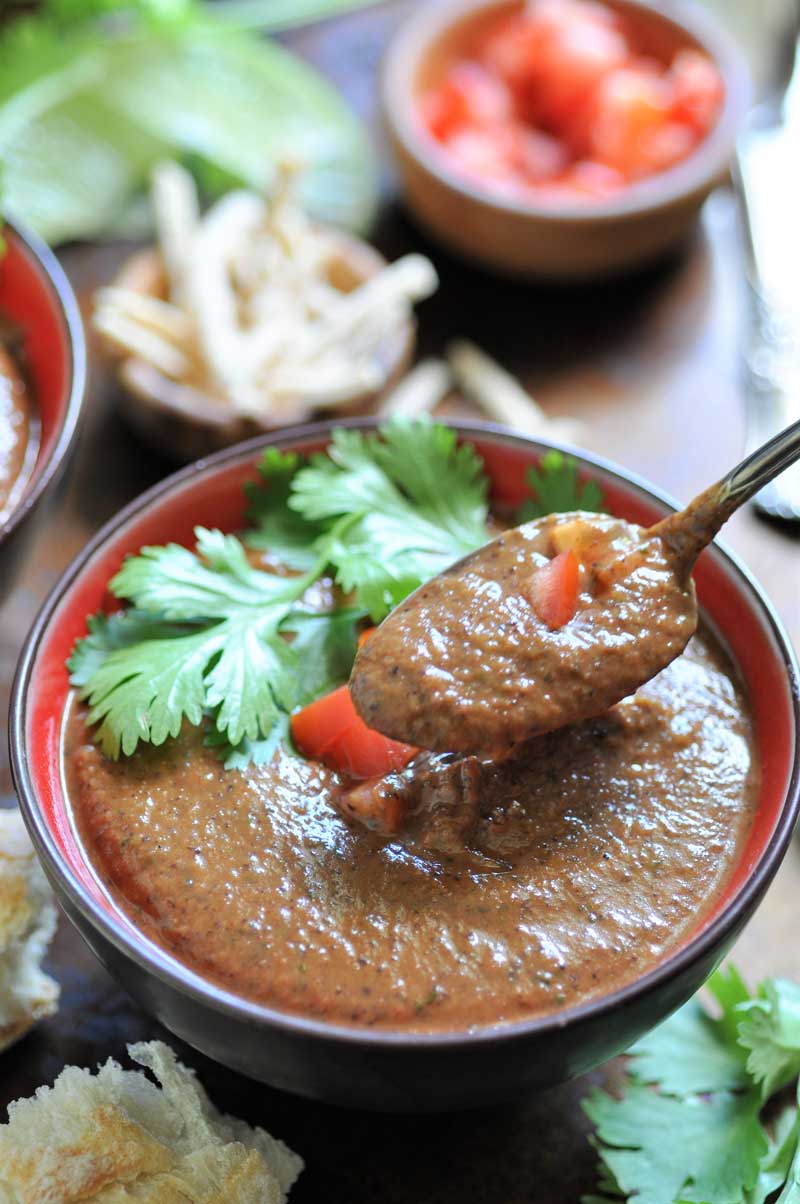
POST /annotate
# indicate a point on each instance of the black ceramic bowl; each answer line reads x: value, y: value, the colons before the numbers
x: 37, y: 301
x: 392, y: 1070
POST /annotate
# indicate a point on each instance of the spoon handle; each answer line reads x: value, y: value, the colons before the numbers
x: 761, y: 466
x: 689, y: 531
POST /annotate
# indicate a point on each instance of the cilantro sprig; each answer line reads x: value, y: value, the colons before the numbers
x: 556, y: 487
x: 690, y: 1126
x: 404, y: 507
x: 211, y: 637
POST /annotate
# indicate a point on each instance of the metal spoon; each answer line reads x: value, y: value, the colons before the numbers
x: 467, y: 664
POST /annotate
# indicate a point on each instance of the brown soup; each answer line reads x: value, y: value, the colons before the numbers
x: 17, y: 433
x: 596, y: 850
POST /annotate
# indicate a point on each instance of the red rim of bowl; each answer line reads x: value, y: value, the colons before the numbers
x: 51, y: 278
x: 698, y: 172
x: 755, y: 876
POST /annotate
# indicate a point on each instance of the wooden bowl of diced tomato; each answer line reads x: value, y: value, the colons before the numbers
x: 562, y: 138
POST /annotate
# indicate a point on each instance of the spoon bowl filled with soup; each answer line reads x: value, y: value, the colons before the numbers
x: 344, y: 913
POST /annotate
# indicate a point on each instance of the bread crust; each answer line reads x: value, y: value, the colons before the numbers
x: 27, y: 923
x: 116, y: 1137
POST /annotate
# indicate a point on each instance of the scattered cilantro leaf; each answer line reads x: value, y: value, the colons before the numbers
x: 769, y: 1030
x: 666, y: 1149
x: 690, y: 1053
x: 686, y: 1129
x: 730, y: 991
x: 404, y: 504
x: 557, y: 489
x: 777, y: 1161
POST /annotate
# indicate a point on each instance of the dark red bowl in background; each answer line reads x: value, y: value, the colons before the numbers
x: 391, y: 1070
x: 37, y: 298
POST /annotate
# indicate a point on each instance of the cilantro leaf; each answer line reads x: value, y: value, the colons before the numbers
x: 689, y: 1053
x: 285, y: 534
x: 557, y: 489
x: 176, y: 583
x: 664, y: 1149
x: 401, y: 506
x: 707, y: 1071
x: 770, y: 1031
x: 143, y: 678
x: 324, y: 647
x: 777, y: 1162
x: 250, y: 752
x: 107, y: 633
x: 791, y: 1188
x: 144, y: 691
x: 730, y: 991
x: 210, y: 637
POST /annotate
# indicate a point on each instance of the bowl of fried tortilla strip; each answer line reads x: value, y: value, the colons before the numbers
x: 250, y: 316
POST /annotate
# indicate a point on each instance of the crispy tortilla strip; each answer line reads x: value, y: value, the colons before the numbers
x: 177, y: 212
x: 420, y: 391
x: 502, y: 397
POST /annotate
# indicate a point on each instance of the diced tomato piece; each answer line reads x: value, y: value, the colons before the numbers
x: 486, y: 97
x: 483, y: 154
x: 572, y: 64
x: 664, y: 146
x: 538, y: 156
x: 697, y: 90
x: 553, y: 56
x: 510, y: 50
x: 590, y: 179
x: 330, y: 730
x: 629, y: 105
x: 468, y: 96
x: 316, y: 727
x: 555, y: 588
x: 360, y: 752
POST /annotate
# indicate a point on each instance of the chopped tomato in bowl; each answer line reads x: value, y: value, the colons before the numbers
x: 562, y: 100
x: 562, y: 139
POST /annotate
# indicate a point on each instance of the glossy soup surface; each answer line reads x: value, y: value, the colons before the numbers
x: 598, y: 849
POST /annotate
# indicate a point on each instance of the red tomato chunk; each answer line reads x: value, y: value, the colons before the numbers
x: 558, y: 102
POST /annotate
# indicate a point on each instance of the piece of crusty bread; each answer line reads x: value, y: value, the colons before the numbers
x: 116, y: 1137
x: 27, y: 924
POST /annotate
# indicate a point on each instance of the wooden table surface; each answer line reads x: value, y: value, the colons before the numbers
x: 651, y: 365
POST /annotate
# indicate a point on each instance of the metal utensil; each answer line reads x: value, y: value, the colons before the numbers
x: 767, y: 182
x: 429, y: 676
